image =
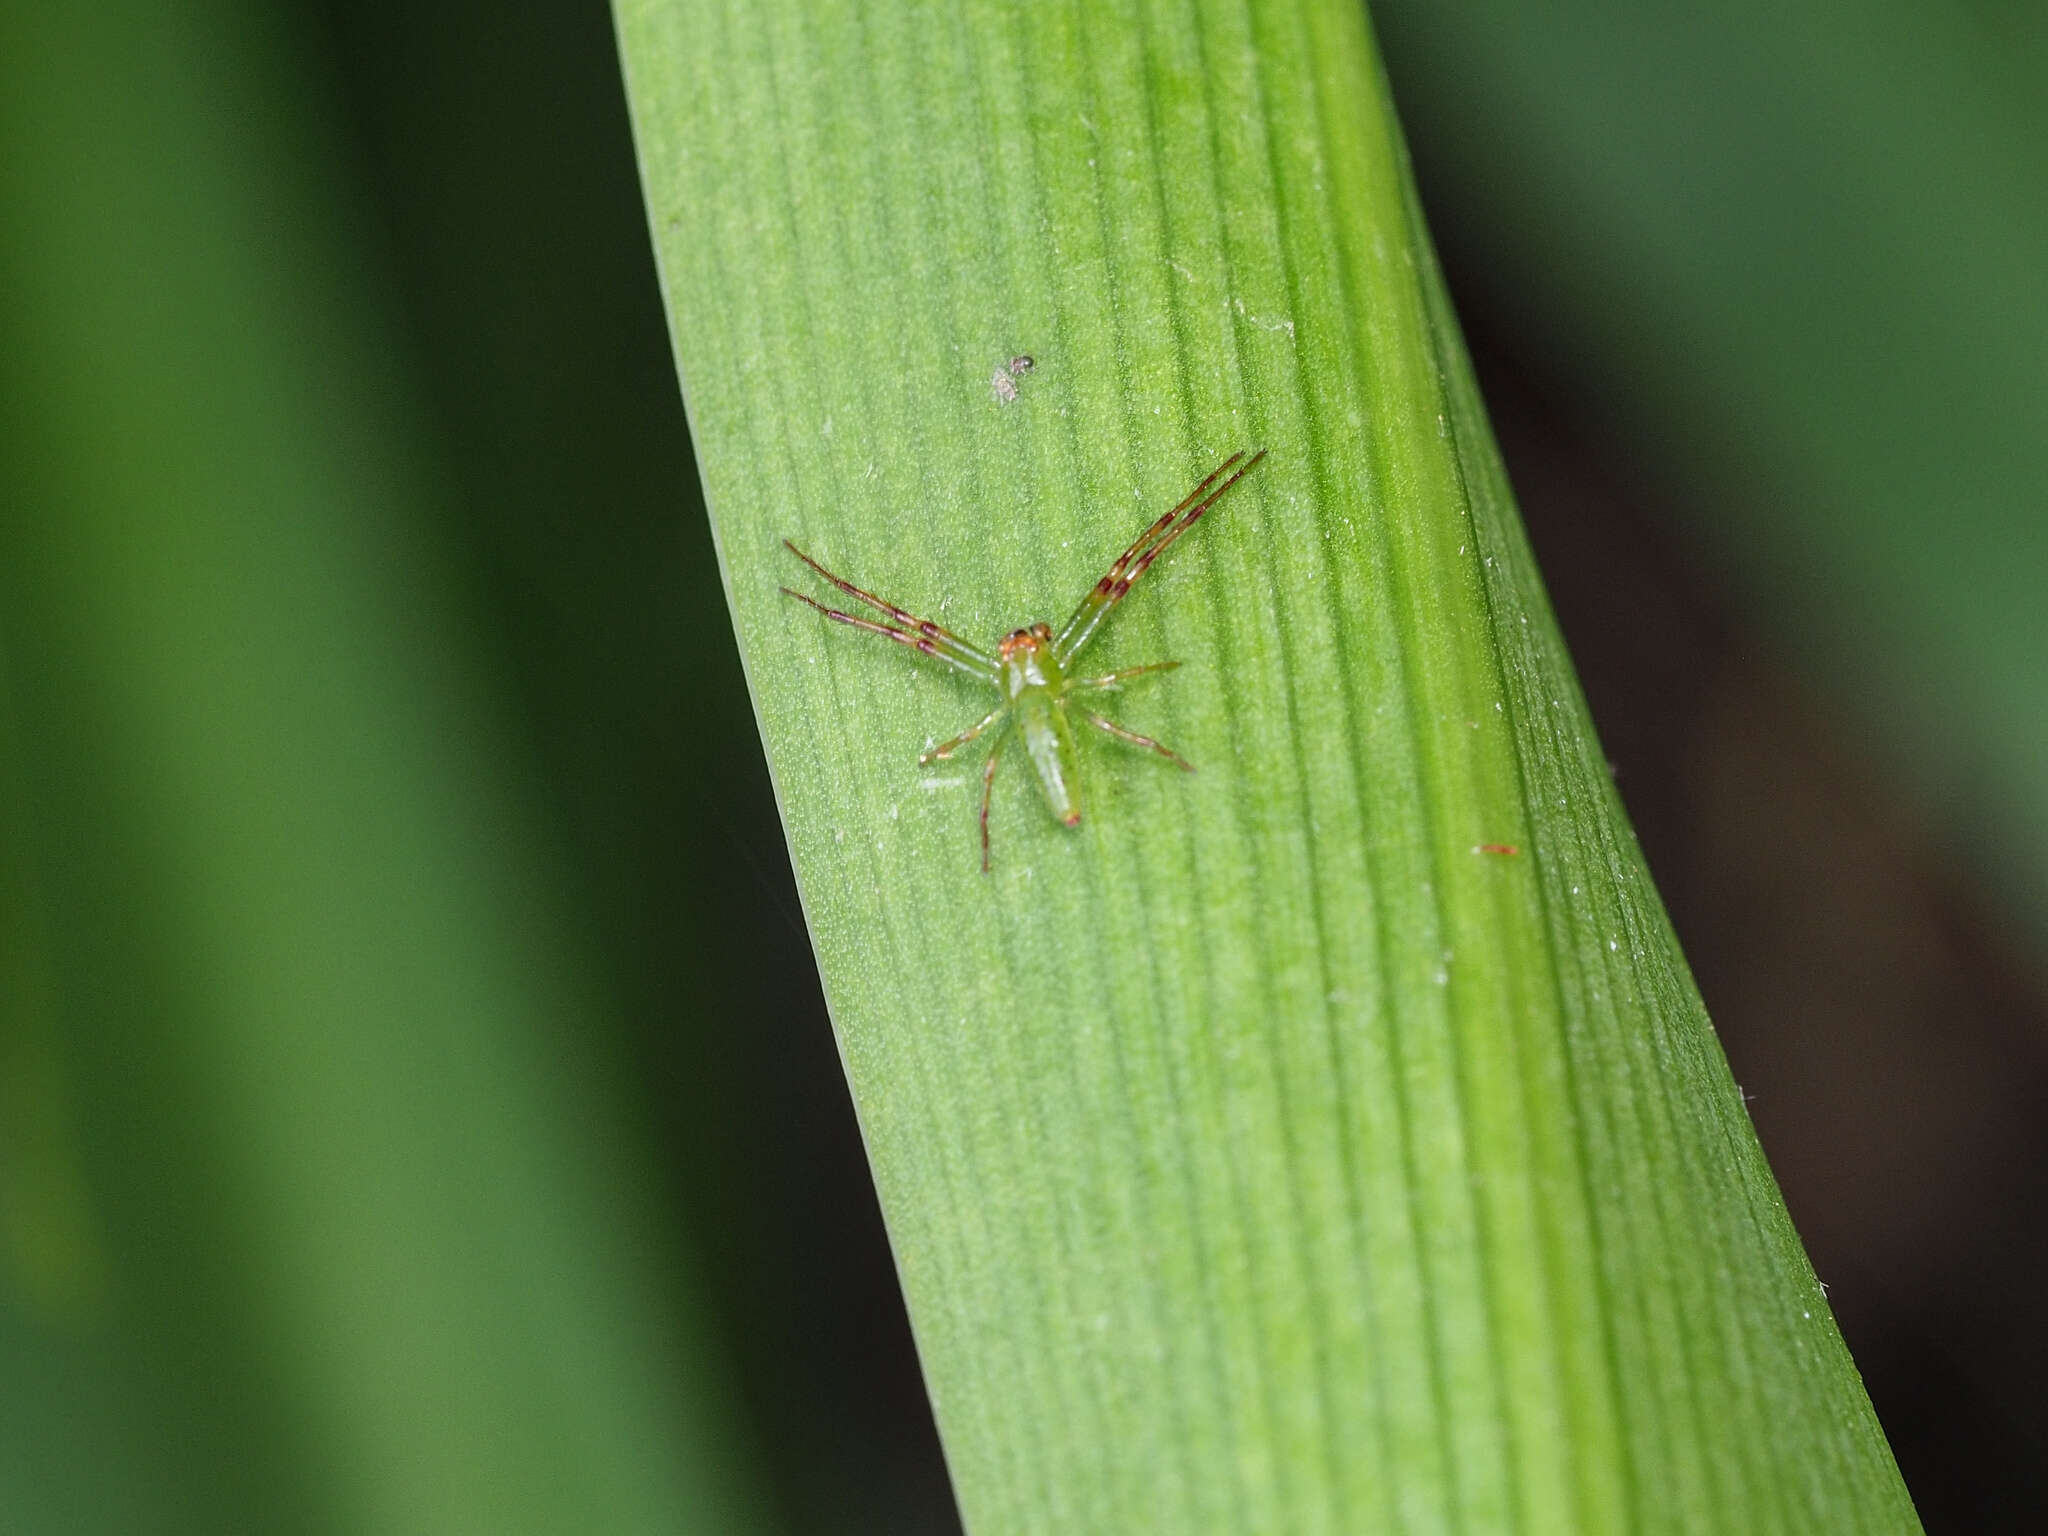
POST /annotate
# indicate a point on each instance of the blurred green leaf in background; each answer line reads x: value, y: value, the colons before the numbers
x: 323, y: 1212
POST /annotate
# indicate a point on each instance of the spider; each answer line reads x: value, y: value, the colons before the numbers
x: 1030, y: 666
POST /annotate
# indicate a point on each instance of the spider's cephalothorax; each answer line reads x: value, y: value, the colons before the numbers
x: 1029, y: 668
x: 1026, y: 657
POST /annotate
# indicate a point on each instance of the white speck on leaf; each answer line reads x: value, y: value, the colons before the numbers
x: 1261, y: 322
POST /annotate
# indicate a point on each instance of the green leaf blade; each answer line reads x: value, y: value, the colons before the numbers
x: 1265, y: 1154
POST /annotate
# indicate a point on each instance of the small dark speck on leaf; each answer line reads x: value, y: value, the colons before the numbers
x: 1003, y: 380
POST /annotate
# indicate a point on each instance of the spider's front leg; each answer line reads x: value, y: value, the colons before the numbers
x: 1123, y: 574
x: 905, y: 627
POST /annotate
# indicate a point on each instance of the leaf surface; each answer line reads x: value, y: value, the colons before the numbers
x: 1271, y: 1152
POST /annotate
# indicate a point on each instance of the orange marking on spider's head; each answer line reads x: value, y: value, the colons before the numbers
x: 1072, y: 818
x: 1036, y: 638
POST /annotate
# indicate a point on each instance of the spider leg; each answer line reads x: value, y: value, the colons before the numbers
x: 1146, y: 539
x: 1103, y: 724
x: 936, y: 632
x: 947, y: 749
x: 988, y: 787
x: 983, y: 670
x: 1151, y: 544
x: 1118, y: 678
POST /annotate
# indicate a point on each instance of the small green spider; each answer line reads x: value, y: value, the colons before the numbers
x: 1029, y: 668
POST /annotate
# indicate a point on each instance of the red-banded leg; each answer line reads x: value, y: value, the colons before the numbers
x: 917, y: 642
x: 942, y: 641
x: 1151, y: 544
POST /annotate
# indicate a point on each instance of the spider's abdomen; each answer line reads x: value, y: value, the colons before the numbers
x: 1049, y: 743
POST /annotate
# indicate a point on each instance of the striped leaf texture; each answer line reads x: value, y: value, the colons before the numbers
x: 1332, y: 1140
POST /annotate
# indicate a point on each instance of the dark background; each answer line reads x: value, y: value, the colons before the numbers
x: 1880, y: 1003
